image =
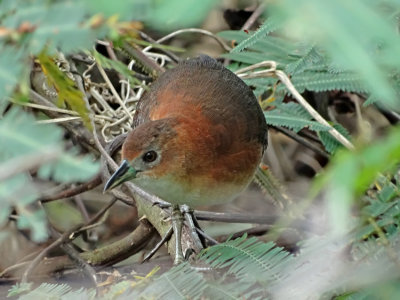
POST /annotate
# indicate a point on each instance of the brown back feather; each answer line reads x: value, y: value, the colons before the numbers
x: 202, y: 84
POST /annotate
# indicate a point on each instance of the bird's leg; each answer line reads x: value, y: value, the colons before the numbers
x: 193, y: 225
x: 177, y: 221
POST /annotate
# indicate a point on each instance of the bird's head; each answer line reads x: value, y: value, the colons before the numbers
x: 149, y: 151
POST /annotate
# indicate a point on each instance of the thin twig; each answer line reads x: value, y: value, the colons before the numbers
x: 234, y: 217
x: 193, y: 30
x: 101, y: 212
x: 336, y: 134
x: 97, y: 141
x: 258, y: 230
x: 206, y: 236
x: 58, y: 120
x: 169, y: 53
x: 46, y: 250
x: 165, y: 239
x: 68, y: 193
x: 77, y: 259
x: 310, y: 135
x: 154, y: 68
x: 302, y: 141
x: 113, y: 91
x: 82, y: 133
x: 254, y: 16
x: 272, y: 71
x: 55, y: 109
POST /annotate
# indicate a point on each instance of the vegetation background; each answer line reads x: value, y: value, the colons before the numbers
x: 326, y: 207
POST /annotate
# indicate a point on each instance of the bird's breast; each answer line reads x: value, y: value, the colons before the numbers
x: 195, y: 192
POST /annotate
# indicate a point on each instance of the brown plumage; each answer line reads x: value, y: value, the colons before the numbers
x: 204, y: 129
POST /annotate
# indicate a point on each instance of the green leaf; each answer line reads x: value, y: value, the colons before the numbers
x: 350, y: 174
x: 180, y: 282
x: 17, y: 190
x: 308, y: 58
x: 20, y: 135
x: 171, y: 14
x: 279, y: 118
x: 47, y: 290
x: 10, y: 70
x: 293, y: 116
x: 355, y: 34
x: 69, y: 167
x: 19, y: 288
x: 63, y: 215
x: 66, y: 88
x: 256, y: 57
x: 248, y: 259
x: 116, y: 65
x: 330, y: 143
x: 58, y: 25
x: 270, y: 25
x: 268, y: 44
x: 323, y: 81
x: 125, y: 10
x: 36, y: 222
x: 19, y: 193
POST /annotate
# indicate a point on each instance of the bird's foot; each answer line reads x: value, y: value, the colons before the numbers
x: 180, y: 214
x: 193, y: 225
x: 162, y: 205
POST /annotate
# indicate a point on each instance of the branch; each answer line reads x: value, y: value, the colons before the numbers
x: 87, y: 186
x: 301, y: 141
x: 107, y: 255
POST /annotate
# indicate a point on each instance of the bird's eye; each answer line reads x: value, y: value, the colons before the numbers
x: 150, y: 156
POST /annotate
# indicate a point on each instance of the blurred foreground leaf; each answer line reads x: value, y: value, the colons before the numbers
x: 21, y: 137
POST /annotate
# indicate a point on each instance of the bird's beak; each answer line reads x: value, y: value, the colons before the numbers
x: 124, y: 173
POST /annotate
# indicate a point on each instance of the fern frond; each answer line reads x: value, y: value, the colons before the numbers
x: 330, y: 143
x: 248, y: 259
x: 278, y: 118
x: 256, y: 57
x: 58, y: 291
x: 295, y: 109
x: 265, y: 82
x: 270, y: 25
x: 308, y: 59
x: 371, y: 100
x: 47, y: 290
x: 180, y: 282
x: 225, y: 289
x: 269, y: 44
x: 19, y: 288
x: 323, y: 81
x: 269, y: 184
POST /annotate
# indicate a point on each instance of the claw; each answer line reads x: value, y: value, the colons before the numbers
x: 162, y: 205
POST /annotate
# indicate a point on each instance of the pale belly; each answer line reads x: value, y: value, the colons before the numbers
x: 204, y: 194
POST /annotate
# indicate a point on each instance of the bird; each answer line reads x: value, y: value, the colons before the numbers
x: 198, y: 136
